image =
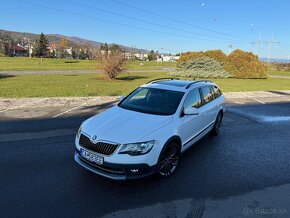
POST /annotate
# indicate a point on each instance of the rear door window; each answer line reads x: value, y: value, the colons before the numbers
x: 208, y: 95
x: 216, y: 91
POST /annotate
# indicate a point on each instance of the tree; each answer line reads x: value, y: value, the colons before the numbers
x: 217, y: 55
x: 104, y: 47
x: 243, y: 65
x: 184, y: 57
x: 63, y: 44
x: 201, y: 67
x: 41, y: 47
x: 112, y: 63
x: 115, y: 47
x: 152, y: 56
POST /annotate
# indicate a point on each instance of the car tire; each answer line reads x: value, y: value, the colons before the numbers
x: 169, y: 160
x: 217, y: 124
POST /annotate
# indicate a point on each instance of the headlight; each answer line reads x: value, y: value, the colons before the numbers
x: 79, y: 132
x: 137, y: 148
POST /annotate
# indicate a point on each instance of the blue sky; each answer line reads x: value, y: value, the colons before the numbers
x: 164, y: 25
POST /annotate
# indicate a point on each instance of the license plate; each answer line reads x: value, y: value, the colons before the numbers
x: 92, y: 157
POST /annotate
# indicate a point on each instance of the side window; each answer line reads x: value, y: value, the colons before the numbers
x: 193, y: 99
x: 216, y: 91
x: 207, y: 94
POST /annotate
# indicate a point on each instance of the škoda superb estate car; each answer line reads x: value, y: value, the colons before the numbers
x: 148, y: 130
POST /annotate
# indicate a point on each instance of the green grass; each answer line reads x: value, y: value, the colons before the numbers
x: 278, y: 73
x: 32, y: 64
x: 95, y: 85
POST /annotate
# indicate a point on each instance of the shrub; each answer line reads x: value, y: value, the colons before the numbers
x: 184, y: 57
x: 245, y: 65
x: 215, y: 54
x: 112, y: 63
x: 201, y: 67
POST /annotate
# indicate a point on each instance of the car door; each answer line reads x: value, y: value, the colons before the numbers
x: 208, y: 105
x: 191, y: 125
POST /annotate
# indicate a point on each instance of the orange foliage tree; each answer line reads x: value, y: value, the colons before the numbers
x: 244, y: 65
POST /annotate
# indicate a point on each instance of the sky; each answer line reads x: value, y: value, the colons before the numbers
x: 164, y: 25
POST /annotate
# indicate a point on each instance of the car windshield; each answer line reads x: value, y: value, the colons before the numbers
x: 152, y: 101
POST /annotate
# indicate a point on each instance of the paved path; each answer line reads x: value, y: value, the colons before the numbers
x: 279, y: 76
x: 30, y: 72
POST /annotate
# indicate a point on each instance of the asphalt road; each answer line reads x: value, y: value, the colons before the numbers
x: 39, y: 177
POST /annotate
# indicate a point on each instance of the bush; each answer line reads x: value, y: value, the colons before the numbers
x: 112, y: 63
x: 201, y: 67
x: 215, y: 54
x: 184, y: 57
x: 245, y: 65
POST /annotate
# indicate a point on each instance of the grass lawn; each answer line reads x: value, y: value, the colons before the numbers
x: 278, y: 73
x: 29, y: 64
x: 95, y: 85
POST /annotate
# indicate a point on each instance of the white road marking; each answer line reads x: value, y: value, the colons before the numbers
x: 254, y: 98
x: 67, y: 111
x: 21, y: 106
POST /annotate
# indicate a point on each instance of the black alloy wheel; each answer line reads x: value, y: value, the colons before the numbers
x: 169, y: 159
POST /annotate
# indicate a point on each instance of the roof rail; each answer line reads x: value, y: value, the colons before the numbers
x: 161, y: 79
x: 197, y: 82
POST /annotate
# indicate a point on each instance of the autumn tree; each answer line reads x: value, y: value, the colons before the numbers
x: 184, y: 57
x: 112, y: 61
x: 63, y: 44
x: 217, y: 55
x: 243, y: 64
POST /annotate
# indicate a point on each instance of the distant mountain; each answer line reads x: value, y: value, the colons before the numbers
x: 73, y: 41
x: 277, y: 60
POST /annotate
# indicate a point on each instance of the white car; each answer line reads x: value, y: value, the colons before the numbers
x: 148, y: 130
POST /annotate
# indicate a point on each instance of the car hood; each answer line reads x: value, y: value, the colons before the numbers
x: 123, y: 126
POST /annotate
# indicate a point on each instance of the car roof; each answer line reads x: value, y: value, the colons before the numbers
x: 176, y: 85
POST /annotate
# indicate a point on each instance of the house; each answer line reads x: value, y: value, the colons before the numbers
x: 19, y: 51
x: 169, y: 58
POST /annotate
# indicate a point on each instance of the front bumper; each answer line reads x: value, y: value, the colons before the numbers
x: 117, y: 171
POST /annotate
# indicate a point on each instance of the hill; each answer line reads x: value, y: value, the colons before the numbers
x: 73, y: 41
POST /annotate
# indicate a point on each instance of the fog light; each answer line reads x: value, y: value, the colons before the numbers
x: 134, y: 170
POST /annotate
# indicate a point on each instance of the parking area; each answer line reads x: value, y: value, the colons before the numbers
x: 242, y: 103
x: 246, y: 167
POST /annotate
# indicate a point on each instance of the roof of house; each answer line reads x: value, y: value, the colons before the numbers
x: 19, y: 48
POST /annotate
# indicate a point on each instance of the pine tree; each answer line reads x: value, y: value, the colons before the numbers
x: 41, y: 47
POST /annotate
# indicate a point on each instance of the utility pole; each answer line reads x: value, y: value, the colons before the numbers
x: 29, y: 48
x: 270, y: 43
x: 259, y: 42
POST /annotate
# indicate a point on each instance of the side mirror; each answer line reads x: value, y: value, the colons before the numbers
x: 190, y: 111
x: 121, y: 98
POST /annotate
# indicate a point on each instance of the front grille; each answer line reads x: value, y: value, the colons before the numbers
x: 99, y: 147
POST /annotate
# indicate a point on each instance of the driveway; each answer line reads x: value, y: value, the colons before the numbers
x: 245, y: 171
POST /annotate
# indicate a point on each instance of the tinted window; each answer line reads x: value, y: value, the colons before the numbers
x: 153, y: 101
x: 193, y: 99
x: 207, y: 94
x: 216, y: 91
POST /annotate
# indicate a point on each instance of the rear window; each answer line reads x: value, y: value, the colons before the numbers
x: 208, y: 95
x: 216, y: 91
